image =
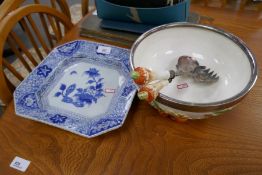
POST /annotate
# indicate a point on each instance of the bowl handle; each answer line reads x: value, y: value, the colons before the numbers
x: 150, y: 91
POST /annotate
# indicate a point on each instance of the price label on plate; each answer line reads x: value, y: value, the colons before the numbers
x: 103, y: 50
x: 182, y: 86
x: 110, y: 90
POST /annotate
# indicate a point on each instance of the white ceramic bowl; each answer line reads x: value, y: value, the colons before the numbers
x: 159, y: 49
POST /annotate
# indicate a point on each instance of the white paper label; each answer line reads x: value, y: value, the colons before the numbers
x: 20, y: 164
x: 182, y: 86
x: 104, y: 50
x: 94, y: 12
x: 110, y: 90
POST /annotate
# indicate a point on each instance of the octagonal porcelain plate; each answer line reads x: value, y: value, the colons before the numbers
x: 81, y: 86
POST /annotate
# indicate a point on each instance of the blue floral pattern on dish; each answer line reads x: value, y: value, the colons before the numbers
x: 105, y: 124
x: 43, y: 70
x: 127, y: 90
x: 73, y: 72
x: 58, y: 118
x: 80, y: 97
x: 69, y: 48
x: 31, y: 102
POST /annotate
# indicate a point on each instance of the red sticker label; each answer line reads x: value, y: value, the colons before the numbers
x: 182, y: 86
x: 109, y: 90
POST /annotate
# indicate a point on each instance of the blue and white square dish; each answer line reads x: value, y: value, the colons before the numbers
x: 83, y: 87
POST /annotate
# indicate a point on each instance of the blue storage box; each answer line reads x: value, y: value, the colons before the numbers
x: 155, y: 16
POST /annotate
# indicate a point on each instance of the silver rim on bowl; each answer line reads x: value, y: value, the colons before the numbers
x: 202, y: 107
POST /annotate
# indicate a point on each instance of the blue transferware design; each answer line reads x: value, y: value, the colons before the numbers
x: 29, y: 101
x: 127, y: 90
x: 103, y: 125
x: 32, y: 95
x: 73, y: 72
x: 58, y: 118
x: 68, y: 49
x: 83, y: 96
x: 44, y: 71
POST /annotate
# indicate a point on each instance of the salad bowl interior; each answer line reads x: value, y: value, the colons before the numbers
x: 160, y: 48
